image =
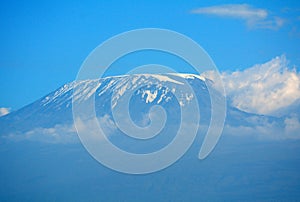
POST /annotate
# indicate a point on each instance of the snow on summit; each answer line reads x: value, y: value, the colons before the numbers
x: 84, y: 89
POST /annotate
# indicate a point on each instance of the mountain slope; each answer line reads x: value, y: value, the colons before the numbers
x: 56, y: 107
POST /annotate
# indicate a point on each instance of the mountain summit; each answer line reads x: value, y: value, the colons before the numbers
x: 149, y: 90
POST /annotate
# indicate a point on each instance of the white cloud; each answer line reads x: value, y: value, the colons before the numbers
x: 263, y: 88
x: 267, y: 130
x: 58, y: 134
x: 63, y: 133
x: 90, y: 127
x: 4, y: 111
x: 274, y: 23
x: 254, y: 17
x: 234, y: 10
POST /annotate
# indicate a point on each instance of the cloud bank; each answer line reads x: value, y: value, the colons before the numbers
x: 267, y: 129
x: 254, y: 17
x: 59, y: 134
x: 62, y: 133
x: 263, y: 88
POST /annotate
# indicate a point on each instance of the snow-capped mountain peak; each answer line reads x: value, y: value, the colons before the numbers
x: 119, y: 85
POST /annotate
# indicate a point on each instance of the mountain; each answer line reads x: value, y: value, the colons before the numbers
x: 43, y: 159
x: 60, y: 101
x: 56, y: 107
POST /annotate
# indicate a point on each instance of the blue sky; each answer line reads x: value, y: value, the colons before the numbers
x: 44, y: 43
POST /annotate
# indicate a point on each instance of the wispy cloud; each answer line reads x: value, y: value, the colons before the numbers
x: 263, y: 88
x: 4, y: 111
x: 62, y: 133
x: 59, y: 134
x: 254, y: 17
x: 234, y: 10
x: 265, y: 129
